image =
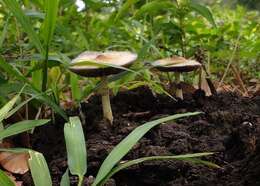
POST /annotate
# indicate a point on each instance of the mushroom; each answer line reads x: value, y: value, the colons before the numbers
x: 178, y: 65
x: 96, y: 64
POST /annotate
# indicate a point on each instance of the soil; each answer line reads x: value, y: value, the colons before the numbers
x: 230, y: 127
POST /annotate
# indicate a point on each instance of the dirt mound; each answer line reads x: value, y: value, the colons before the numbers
x: 229, y: 126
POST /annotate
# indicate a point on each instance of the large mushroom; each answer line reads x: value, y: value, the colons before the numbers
x: 102, y: 64
x: 178, y: 65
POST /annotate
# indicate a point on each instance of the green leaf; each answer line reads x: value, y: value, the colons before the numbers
x: 97, y: 64
x: 65, y: 180
x: 4, y: 33
x: 154, y: 7
x: 14, y: 110
x: 39, y: 169
x: 75, y: 88
x: 203, y: 11
x: 76, y: 147
x: 7, y: 107
x: 51, y: 9
x: 126, y: 144
x: 15, y: 8
x: 186, y: 157
x: 125, y: 9
x: 5, y: 180
x: 21, y: 126
x: 14, y: 72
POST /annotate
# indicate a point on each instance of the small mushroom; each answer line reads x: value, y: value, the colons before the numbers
x: 178, y: 65
x: 97, y: 65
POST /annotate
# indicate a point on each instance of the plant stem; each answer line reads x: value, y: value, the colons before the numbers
x: 80, y: 180
x: 178, y: 81
x: 45, y: 70
x: 104, y: 92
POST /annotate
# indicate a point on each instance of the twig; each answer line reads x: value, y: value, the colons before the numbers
x: 230, y: 62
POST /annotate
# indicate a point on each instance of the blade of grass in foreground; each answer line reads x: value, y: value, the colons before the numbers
x: 5, y: 180
x: 187, y: 157
x: 39, y: 169
x: 76, y: 148
x: 21, y: 126
x: 126, y: 144
x: 7, y: 107
x: 5, y: 110
x: 51, y: 9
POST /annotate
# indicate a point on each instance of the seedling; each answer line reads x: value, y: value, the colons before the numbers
x: 178, y: 65
x: 102, y: 64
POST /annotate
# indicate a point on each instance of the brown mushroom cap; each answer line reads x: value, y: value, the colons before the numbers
x: 176, y: 64
x: 118, y: 58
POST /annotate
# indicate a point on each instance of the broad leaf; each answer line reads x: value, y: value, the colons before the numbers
x: 76, y: 147
x: 39, y: 169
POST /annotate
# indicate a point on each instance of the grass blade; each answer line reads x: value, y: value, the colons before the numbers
x: 96, y: 64
x: 7, y: 107
x: 15, y: 8
x: 13, y: 72
x: 126, y: 144
x: 187, y: 157
x: 5, y: 180
x: 51, y: 8
x: 39, y: 169
x: 21, y: 126
x: 14, y: 110
x: 76, y: 147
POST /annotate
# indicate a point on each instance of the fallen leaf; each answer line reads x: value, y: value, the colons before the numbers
x: 14, y: 162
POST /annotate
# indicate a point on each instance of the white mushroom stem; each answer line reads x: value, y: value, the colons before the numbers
x: 104, y: 92
x: 178, y: 93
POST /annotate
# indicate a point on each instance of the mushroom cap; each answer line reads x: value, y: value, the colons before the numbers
x: 118, y: 58
x: 176, y: 64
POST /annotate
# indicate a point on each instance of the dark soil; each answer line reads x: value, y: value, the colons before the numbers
x: 230, y: 126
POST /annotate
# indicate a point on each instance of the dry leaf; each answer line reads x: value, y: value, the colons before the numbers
x: 14, y: 162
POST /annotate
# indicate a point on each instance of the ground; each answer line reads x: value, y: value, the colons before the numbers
x: 230, y: 127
